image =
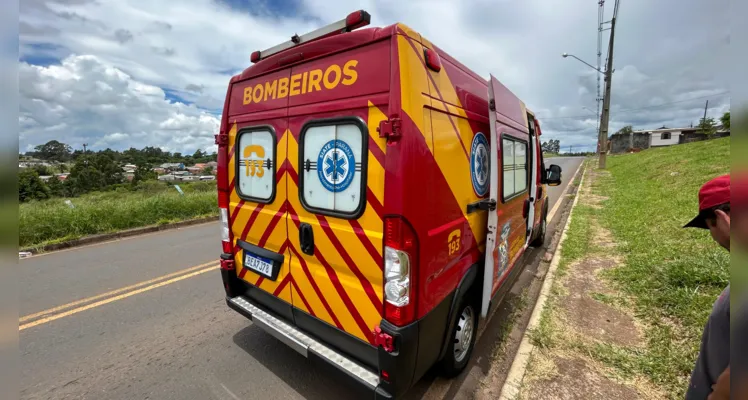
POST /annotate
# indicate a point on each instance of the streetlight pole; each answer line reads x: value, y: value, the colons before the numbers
x: 605, y: 117
x: 602, y: 139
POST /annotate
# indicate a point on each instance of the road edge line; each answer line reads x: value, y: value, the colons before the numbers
x: 513, y: 382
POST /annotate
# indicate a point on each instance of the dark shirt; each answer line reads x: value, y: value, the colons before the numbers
x: 714, y: 356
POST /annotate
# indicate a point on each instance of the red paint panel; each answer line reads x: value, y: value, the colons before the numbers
x: 357, y: 72
x: 260, y: 94
x: 416, y: 188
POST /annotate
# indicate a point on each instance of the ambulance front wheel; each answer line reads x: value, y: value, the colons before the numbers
x: 462, y: 339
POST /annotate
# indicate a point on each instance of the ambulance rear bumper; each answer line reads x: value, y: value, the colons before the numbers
x: 306, y: 345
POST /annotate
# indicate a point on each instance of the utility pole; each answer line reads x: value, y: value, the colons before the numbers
x: 705, y: 107
x: 605, y: 117
x: 84, y: 147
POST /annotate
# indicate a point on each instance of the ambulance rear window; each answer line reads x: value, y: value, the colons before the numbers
x: 514, y: 166
x: 256, y: 166
x: 332, y: 155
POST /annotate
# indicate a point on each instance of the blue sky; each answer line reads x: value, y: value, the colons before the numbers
x: 141, y: 72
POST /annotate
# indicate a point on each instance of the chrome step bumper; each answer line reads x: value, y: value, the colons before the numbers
x: 304, y: 344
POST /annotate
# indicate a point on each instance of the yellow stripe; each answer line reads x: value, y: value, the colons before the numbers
x: 451, y: 150
x: 113, y: 299
x: 375, y: 117
x: 111, y: 293
x: 319, y: 274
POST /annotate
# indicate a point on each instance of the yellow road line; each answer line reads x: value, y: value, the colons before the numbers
x: 112, y: 293
x: 115, y: 298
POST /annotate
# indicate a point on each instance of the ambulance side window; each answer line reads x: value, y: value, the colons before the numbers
x: 332, y: 163
x: 255, y: 168
x: 514, y: 166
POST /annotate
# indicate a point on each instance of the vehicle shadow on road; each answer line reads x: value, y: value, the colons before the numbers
x: 310, y: 379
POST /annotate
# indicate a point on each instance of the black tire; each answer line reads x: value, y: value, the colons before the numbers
x: 458, y: 355
x: 540, y: 238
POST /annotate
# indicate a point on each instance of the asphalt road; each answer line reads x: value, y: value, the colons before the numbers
x: 170, y: 338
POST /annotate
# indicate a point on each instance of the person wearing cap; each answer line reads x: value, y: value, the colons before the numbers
x: 710, y: 378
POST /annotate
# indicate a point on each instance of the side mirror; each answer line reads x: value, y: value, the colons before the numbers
x: 553, y: 175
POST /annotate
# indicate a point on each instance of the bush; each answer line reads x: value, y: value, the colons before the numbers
x: 30, y: 187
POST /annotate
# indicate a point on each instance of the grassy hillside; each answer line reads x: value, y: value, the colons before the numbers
x: 49, y: 221
x: 673, y: 275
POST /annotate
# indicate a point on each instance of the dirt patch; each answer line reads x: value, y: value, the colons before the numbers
x: 574, y: 378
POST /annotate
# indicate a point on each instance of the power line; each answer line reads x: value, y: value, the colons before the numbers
x: 644, y: 108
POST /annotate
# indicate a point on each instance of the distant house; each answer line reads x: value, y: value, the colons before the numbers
x: 172, y: 166
x: 660, y: 137
x: 62, y: 177
x: 159, y: 170
x: 664, y: 136
x: 194, y: 169
x: 45, y: 177
x: 200, y: 165
x: 212, y: 164
x: 207, y: 178
x: 167, y: 177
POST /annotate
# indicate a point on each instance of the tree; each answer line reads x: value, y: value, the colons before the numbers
x: 207, y: 170
x: 143, y: 172
x: 30, y: 187
x: 628, y: 129
x: 725, y: 119
x: 707, y: 126
x: 93, y: 172
x: 54, y: 151
x: 57, y: 188
x: 42, y: 170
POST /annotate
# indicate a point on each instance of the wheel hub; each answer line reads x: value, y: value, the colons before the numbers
x: 464, y: 334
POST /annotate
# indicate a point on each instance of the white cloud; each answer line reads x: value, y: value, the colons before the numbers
x: 84, y: 100
x: 666, y: 51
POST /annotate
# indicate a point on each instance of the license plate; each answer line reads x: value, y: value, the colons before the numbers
x: 260, y: 265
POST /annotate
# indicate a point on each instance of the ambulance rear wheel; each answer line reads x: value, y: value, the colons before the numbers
x: 540, y: 239
x: 462, y: 340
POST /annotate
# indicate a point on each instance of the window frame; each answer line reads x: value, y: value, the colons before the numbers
x: 662, y: 136
x: 527, y: 174
x: 364, y: 129
x: 237, y: 166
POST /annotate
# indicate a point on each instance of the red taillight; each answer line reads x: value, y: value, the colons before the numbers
x: 254, y: 57
x: 357, y: 19
x: 400, y: 271
x: 432, y: 60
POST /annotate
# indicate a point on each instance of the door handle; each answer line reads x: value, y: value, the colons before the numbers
x: 306, y: 238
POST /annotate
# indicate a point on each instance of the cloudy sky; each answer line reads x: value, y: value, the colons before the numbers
x: 134, y: 73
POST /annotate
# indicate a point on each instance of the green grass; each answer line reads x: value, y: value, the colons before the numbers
x: 673, y: 275
x: 53, y: 221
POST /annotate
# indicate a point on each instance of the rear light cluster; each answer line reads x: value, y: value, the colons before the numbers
x: 222, y: 178
x: 400, y: 260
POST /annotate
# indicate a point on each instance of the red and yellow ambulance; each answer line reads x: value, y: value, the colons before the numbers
x: 376, y: 196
